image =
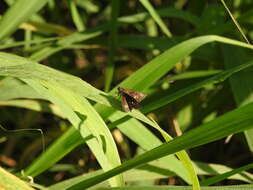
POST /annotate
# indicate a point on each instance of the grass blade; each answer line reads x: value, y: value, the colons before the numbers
x: 112, y: 42
x: 240, y: 82
x: 156, y: 17
x: 11, y: 20
x: 209, y: 132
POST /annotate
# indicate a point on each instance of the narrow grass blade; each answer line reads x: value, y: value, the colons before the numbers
x: 47, y: 28
x: 63, y: 43
x: 112, y: 42
x: 224, y: 176
x: 184, y: 158
x: 215, y: 169
x: 146, y: 140
x: 241, y: 83
x: 22, y: 43
x: 11, y: 20
x: 235, y: 22
x: 215, y: 79
x: 76, y: 17
x: 34, y: 105
x: 147, y: 75
x: 164, y: 12
x: 156, y: 17
x: 190, y: 75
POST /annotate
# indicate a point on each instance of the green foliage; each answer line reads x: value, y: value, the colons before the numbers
x: 59, y: 55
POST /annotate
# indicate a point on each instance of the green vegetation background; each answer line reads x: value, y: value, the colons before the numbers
x: 62, y: 125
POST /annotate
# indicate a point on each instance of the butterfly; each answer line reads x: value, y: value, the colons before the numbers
x: 130, y: 99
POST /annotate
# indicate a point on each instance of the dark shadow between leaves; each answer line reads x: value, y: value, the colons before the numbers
x: 82, y: 118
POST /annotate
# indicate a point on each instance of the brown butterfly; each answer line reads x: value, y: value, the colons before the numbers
x: 130, y: 99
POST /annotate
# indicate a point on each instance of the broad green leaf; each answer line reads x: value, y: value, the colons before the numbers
x: 190, y: 75
x: 85, y: 119
x: 12, y: 88
x: 34, y: 105
x: 11, y: 182
x: 106, y: 152
x: 74, y: 107
x: 54, y: 76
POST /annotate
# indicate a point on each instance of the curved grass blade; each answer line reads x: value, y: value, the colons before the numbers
x: 215, y: 169
x: 215, y: 79
x: 184, y: 158
x: 224, y: 176
x: 147, y: 75
x: 45, y: 76
x: 82, y: 115
x: 233, y: 122
x: 74, y: 107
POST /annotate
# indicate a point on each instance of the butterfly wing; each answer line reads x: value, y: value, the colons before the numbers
x: 138, y: 96
x: 124, y: 104
x: 131, y: 102
x: 130, y: 99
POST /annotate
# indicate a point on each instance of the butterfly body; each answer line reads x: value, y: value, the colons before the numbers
x: 130, y: 99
